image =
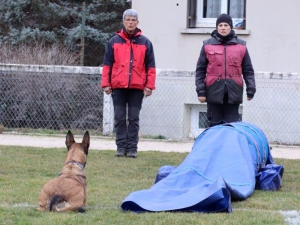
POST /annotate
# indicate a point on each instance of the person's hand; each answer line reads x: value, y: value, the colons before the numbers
x: 107, y: 90
x: 249, y: 99
x: 201, y: 99
x: 147, y: 92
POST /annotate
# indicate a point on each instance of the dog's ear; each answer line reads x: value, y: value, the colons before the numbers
x: 69, y: 139
x: 86, y: 142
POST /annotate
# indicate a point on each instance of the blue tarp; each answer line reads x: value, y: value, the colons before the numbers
x: 224, y: 164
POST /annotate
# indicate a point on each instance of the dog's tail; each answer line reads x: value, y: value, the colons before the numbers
x: 54, y: 201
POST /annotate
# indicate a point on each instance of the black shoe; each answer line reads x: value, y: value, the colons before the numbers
x: 132, y: 154
x: 120, y: 153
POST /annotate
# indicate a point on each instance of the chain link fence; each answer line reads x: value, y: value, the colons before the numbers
x: 49, y: 97
x: 61, y: 98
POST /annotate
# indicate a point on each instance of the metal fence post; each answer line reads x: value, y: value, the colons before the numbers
x: 108, y: 119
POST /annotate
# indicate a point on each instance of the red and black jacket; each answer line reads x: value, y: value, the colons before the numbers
x: 221, y: 68
x: 129, y: 62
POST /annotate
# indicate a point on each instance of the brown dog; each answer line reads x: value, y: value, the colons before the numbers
x: 68, y: 190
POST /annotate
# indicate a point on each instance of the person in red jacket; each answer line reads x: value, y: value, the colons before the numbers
x: 129, y: 75
x: 223, y: 63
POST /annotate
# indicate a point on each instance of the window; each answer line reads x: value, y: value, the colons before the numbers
x: 203, y: 13
x: 199, y: 121
x: 203, y: 121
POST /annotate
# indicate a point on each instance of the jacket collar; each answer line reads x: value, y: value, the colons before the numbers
x: 217, y: 40
x: 125, y: 35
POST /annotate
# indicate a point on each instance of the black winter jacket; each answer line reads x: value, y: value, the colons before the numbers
x: 213, y: 86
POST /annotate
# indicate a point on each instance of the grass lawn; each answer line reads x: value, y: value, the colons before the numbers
x: 24, y: 170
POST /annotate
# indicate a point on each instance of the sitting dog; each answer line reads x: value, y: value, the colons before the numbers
x: 68, y: 190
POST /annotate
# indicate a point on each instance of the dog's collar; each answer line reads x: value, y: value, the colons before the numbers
x: 77, y: 163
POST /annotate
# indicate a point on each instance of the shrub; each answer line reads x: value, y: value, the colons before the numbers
x: 38, y: 53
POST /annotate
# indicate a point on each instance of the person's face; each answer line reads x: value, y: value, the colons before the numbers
x: 224, y: 29
x: 130, y: 23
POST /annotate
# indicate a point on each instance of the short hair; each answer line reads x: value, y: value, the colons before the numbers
x: 130, y: 12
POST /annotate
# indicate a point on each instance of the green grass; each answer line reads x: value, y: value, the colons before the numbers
x: 24, y: 170
x: 48, y: 132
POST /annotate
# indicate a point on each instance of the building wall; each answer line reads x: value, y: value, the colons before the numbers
x: 273, y: 42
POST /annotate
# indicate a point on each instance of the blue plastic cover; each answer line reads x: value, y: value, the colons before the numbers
x: 269, y: 178
x: 223, y: 165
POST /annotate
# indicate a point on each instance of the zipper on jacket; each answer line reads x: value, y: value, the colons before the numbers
x: 225, y: 61
x: 130, y: 62
x: 225, y: 78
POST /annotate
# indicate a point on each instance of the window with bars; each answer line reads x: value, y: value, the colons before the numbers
x: 203, y: 122
x: 203, y: 13
x: 199, y: 121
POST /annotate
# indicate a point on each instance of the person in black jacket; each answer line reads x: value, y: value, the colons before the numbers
x: 223, y: 64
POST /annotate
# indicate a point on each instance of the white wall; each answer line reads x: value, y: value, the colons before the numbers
x: 161, y: 21
x: 273, y: 42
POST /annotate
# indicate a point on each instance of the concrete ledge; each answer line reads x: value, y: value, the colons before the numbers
x: 206, y: 30
x: 50, y: 69
x: 160, y: 72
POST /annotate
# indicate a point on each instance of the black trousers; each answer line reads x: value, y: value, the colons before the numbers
x: 222, y: 113
x: 127, y: 105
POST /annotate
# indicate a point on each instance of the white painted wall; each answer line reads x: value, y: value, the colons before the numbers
x: 273, y: 42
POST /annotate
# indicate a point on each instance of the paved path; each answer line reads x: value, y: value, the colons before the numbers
x: 97, y: 143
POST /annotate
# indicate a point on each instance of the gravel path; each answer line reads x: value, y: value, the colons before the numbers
x: 97, y: 143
